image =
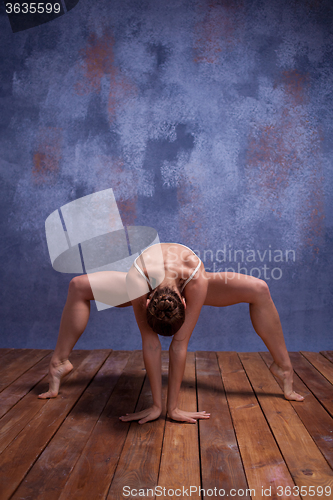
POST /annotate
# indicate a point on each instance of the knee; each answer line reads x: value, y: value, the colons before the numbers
x: 261, y: 290
x: 77, y: 285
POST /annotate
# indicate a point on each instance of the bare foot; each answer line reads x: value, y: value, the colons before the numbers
x: 286, y: 378
x: 57, y: 371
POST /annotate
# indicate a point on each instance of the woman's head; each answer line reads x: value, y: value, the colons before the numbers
x: 165, y: 311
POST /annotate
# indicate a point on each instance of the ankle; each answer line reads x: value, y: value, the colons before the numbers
x: 285, y: 370
x: 57, y: 361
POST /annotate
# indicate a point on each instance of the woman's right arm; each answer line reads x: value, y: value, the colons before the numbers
x: 151, y: 348
x: 195, y: 295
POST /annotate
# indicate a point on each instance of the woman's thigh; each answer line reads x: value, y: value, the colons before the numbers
x: 109, y: 287
x: 226, y: 289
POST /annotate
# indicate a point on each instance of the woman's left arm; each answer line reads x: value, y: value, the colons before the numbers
x: 195, y: 295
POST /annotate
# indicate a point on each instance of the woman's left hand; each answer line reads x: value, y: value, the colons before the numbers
x: 187, y: 416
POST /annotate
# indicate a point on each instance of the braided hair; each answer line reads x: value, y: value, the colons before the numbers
x: 165, y: 311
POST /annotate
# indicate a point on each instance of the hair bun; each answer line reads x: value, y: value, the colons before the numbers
x: 165, y: 312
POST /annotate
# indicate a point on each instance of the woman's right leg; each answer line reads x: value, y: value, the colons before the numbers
x: 106, y: 285
x: 73, y: 322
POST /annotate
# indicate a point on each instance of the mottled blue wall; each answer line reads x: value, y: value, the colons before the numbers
x: 212, y: 122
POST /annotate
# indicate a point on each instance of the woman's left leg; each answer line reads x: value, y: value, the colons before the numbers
x: 225, y: 289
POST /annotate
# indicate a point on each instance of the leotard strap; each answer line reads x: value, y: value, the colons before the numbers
x: 141, y: 272
x: 193, y: 274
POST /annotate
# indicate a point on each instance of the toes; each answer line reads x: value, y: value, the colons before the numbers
x: 47, y: 395
x: 294, y: 397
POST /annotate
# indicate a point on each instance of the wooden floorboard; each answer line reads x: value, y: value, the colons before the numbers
x: 50, y: 472
x: 180, y: 463
x: 93, y: 472
x: 255, y: 445
x: 264, y: 466
x: 320, y: 387
x: 27, y: 446
x: 328, y: 355
x: 139, y: 463
x: 4, y: 351
x: 19, y: 416
x: 221, y: 464
x: 315, y: 418
x: 23, y: 385
x: 296, y: 445
x: 16, y: 362
x: 323, y: 365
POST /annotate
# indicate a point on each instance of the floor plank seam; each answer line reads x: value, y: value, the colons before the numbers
x: 24, y: 372
x: 198, y: 426
x: 317, y: 398
x: 159, y: 465
x: 233, y: 422
x: 34, y: 462
x: 317, y: 369
x: 163, y: 435
x: 22, y: 397
x: 267, y: 421
x: 124, y: 441
x: 93, y: 427
x: 328, y: 355
x: 305, y: 424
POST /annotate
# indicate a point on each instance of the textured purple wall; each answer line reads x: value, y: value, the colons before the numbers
x: 212, y: 122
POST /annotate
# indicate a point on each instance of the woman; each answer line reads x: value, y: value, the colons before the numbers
x: 170, y: 308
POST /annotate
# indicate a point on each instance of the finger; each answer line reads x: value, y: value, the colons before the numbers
x: 131, y: 415
x: 144, y: 420
x: 199, y: 414
x: 201, y: 417
x: 189, y: 420
x: 126, y: 418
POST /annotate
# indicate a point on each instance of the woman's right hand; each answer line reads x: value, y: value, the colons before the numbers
x: 143, y: 416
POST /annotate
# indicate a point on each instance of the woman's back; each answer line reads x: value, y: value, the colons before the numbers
x: 167, y: 264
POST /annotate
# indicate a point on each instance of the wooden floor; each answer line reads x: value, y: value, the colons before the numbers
x: 75, y: 446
